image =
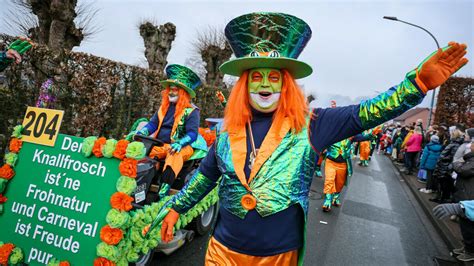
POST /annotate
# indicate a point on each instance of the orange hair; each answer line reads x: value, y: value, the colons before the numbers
x: 184, y: 101
x: 292, y: 105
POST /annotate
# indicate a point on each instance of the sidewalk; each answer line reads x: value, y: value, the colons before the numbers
x: 449, y: 230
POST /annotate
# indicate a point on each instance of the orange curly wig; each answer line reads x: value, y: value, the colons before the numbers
x: 292, y: 105
x: 184, y: 101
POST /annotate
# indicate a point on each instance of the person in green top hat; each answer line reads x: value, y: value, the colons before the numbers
x: 175, y: 123
x: 265, y: 155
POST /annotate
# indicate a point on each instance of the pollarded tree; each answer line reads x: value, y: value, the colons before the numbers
x: 211, y: 44
x: 158, y: 40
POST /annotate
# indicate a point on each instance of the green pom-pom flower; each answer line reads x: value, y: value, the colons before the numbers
x: 125, y: 245
x: 3, y: 184
x: 136, y: 235
x: 11, y: 159
x: 87, y: 145
x: 108, y: 251
x: 109, y: 148
x: 116, y: 218
x: 53, y: 262
x: 126, y: 185
x: 17, y: 131
x: 122, y: 262
x: 136, y: 150
x: 132, y: 256
x: 16, y: 256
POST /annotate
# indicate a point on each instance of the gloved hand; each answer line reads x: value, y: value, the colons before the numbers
x: 143, y: 131
x: 20, y: 45
x: 445, y: 210
x: 178, y: 145
x: 168, y: 225
x: 220, y: 97
x: 439, y: 66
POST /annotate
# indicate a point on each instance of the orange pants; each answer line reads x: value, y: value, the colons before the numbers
x: 364, y: 150
x: 218, y: 254
x: 175, y: 161
x: 335, y: 175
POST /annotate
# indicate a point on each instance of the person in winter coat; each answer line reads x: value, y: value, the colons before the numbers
x: 430, y: 156
x: 444, y: 168
x: 465, y: 208
x: 413, y: 147
x: 465, y: 147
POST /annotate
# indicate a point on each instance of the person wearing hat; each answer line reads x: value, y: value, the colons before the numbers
x: 264, y: 157
x: 176, y: 123
x: 429, y: 157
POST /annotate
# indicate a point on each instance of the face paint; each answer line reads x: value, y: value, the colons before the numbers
x: 264, y: 85
x: 173, y: 94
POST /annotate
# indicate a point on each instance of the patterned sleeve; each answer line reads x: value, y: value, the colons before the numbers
x: 202, y: 182
x: 328, y: 126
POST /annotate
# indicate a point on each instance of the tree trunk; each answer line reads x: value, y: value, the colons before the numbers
x: 214, y: 56
x: 157, y: 41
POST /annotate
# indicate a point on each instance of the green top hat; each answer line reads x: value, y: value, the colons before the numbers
x: 182, y: 77
x: 272, y: 40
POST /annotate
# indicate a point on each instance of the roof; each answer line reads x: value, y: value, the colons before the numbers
x: 410, y: 113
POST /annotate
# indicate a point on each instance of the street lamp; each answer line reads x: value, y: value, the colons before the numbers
x: 437, y: 44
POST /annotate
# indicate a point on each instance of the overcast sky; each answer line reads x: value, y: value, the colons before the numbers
x: 354, y: 52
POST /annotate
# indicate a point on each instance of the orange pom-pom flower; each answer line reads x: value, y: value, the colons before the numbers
x: 111, y: 236
x: 128, y: 167
x: 15, y: 145
x: 6, y: 172
x: 121, y: 201
x: 64, y: 263
x: 5, y: 251
x: 98, y: 144
x: 103, y: 262
x: 121, y: 149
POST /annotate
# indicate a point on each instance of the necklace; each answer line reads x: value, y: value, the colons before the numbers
x: 253, y: 154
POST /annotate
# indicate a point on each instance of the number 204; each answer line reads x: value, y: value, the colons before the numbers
x: 37, y: 125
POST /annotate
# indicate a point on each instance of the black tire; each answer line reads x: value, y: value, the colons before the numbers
x: 204, y: 222
x: 145, y: 260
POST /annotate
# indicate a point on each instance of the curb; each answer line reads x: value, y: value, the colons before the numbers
x: 451, y: 239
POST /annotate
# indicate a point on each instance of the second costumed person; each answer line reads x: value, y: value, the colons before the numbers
x: 265, y: 155
x: 176, y: 124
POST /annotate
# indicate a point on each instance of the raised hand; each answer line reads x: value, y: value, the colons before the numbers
x: 21, y: 45
x: 437, y: 68
x: 220, y: 96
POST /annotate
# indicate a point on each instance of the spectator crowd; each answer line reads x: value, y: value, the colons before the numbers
x: 443, y: 158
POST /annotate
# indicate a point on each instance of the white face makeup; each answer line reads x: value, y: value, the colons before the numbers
x: 264, y: 86
x: 265, y: 102
x: 173, y: 95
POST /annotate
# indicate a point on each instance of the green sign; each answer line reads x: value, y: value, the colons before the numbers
x: 58, y: 201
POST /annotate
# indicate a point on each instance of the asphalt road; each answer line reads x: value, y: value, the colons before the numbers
x: 379, y: 223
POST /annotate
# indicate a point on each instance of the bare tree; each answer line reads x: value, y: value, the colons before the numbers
x: 59, y: 24
x: 212, y: 45
x: 157, y: 41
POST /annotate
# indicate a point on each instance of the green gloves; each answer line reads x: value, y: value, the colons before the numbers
x: 21, y: 46
x: 143, y: 131
x: 178, y: 145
